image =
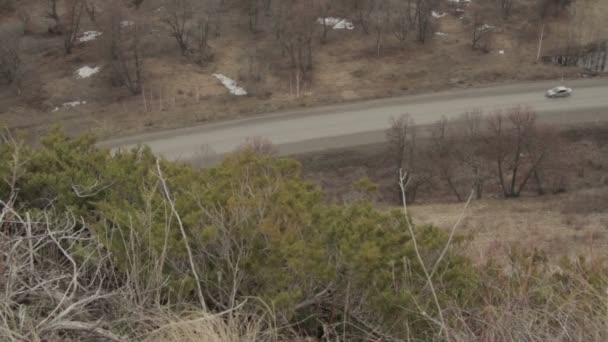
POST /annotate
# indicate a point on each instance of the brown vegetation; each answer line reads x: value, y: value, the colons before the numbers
x: 279, y: 49
x: 71, y: 24
x: 123, y: 48
x: 7, y: 6
x: 569, y: 217
x: 10, y: 60
x: 508, y: 147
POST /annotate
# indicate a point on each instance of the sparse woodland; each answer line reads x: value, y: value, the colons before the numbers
x: 159, y: 55
x: 505, y: 151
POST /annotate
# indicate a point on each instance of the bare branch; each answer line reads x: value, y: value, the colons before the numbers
x: 184, y: 235
x: 85, y: 327
x: 403, y: 185
x: 91, y: 190
x: 75, y: 9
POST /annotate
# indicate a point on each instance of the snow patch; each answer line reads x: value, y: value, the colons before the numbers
x: 441, y: 34
x: 86, y: 71
x: 231, y: 85
x: 74, y: 103
x: 458, y: 2
x: 437, y: 15
x: 126, y: 23
x: 336, y: 23
x: 88, y: 36
x: 55, y: 109
x: 344, y: 25
x: 485, y: 27
x: 501, y: 52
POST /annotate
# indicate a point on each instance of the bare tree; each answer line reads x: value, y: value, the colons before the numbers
x: 254, y: 7
x: 517, y: 148
x: 259, y: 145
x: 381, y: 24
x: 202, y: 52
x: 545, y: 7
x: 208, y: 24
x: 444, y: 155
x: 402, y: 138
x: 470, y: 145
x: 498, y: 146
x: 280, y: 9
x: 10, y: 61
x: 124, y: 50
x: 177, y: 17
x: 137, y: 3
x: 324, y: 7
x: 91, y: 8
x: 215, y: 14
x: 363, y: 10
x: 52, y: 14
x: 192, y: 24
x: 25, y: 18
x: 409, y: 160
x: 402, y: 20
x: 544, y: 149
x: 252, y: 72
x: 506, y: 6
x: 75, y: 9
x: 423, y: 19
x: 296, y: 40
x: 7, y: 6
x: 481, y: 34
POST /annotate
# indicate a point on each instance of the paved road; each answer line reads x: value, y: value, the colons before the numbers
x: 361, y: 123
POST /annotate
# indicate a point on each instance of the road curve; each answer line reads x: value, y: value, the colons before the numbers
x: 353, y: 124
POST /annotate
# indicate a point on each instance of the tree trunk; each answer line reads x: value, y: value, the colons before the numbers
x: 540, y: 189
x: 514, y: 171
x: 502, y: 179
x: 325, y: 30
x: 479, y: 189
x: 454, y: 189
x: 478, y: 183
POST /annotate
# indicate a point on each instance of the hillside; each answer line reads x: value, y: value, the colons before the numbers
x: 277, y: 51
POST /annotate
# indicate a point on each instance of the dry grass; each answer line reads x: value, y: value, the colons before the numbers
x: 58, y: 283
x: 588, y: 21
x: 212, y: 328
x: 55, y: 289
x: 567, y: 224
x: 496, y: 225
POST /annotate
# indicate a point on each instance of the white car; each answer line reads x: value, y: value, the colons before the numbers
x: 560, y: 91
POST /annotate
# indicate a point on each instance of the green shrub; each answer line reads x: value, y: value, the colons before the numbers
x: 255, y: 228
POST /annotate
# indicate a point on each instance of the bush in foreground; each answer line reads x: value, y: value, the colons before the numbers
x: 126, y: 246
